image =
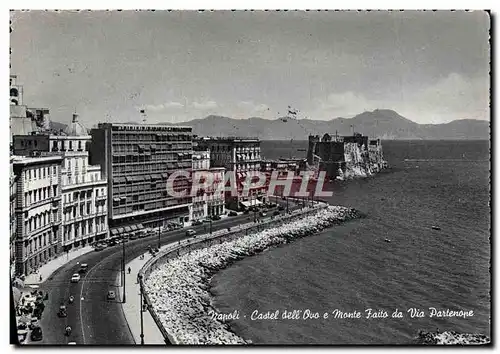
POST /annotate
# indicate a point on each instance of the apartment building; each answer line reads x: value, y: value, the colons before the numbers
x: 24, y: 120
x: 208, y: 201
x: 83, y: 189
x: 239, y: 156
x: 37, y: 211
x: 12, y: 215
x: 137, y: 161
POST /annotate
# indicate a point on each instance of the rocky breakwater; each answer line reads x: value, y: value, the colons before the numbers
x: 451, y: 338
x: 179, y: 289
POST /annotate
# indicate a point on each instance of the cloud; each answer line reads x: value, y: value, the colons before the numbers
x: 449, y: 98
x: 205, y: 106
x: 252, y: 107
x: 162, y: 107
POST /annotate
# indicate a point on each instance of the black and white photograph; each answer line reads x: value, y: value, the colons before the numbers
x: 250, y: 177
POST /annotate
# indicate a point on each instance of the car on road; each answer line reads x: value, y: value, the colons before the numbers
x: 83, y: 268
x: 100, y: 247
x: 190, y: 232
x: 197, y: 222
x: 72, y: 343
x: 216, y: 217
x: 246, y: 211
x: 276, y: 212
x: 75, y: 278
x: 233, y: 213
x: 262, y: 214
x: 111, y: 295
x: 62, y: 311
x: 36, y: 334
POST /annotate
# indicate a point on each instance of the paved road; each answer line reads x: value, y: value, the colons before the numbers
x: 95, y: 320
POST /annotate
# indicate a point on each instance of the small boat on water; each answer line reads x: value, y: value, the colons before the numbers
x: 387, y: 240
x: 436, y: 227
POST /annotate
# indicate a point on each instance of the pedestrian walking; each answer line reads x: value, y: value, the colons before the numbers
x: 129, y: 270
x: 40, y: 278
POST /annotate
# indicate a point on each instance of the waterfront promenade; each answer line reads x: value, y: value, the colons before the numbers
x: 131, y: 309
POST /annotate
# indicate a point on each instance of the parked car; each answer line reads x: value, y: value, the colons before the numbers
x: 233, y: 213
x: 246, y: 211
x: 75, y: 278
x: 276, y: 212
x: 111, y: 243
x: 216, y: 217
x: 36, y: 334
x: 197, y: 222
x: 111, y: 295
x: 281, y: 208
x: 83, y: 268
x: 133, y: 237
x: 190, y: 232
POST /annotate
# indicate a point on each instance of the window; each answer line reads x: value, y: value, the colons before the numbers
x: 70, y: 146
x: 79, y: 145
x: 54, y: 188
x: 55, y: 170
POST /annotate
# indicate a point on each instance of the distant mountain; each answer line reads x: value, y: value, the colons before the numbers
x: 381, y: 123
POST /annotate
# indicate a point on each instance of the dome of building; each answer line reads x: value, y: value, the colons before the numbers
x: 75, y: 128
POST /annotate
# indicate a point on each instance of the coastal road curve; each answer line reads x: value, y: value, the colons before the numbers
x: 94, y: 319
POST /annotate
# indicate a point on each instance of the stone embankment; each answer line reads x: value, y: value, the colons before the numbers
x: 178, y: 288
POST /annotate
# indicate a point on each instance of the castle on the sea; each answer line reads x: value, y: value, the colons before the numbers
x: 345, y: 156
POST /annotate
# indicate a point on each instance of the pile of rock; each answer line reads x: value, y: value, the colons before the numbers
x: 451, y: 338
x: 179, y: 289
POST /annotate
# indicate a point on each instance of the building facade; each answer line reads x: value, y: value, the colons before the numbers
x: 37, y: 211
x: 137, y: 160
x: 12, y: 215
x: 208, y: 201
x: 24, y: 120
x: 239, y: 156
x: 83, y: 189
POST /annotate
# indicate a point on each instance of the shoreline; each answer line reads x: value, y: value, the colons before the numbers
x: 180, y: 290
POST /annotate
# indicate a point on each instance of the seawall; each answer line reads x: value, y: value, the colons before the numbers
x: 176, y: 282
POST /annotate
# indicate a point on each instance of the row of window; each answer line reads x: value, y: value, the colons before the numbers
x: 133, y: 136
x: 40, y: 221
x: 37, y: 243
x: 84, y: 228
x: 62, y: 147
x: 39, y: 194
x: 84, y: 210
x: 40, y: 173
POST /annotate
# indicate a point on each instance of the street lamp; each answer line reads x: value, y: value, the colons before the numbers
x: 123, y: 269
x: 159, y: 233
x: 141, y: 310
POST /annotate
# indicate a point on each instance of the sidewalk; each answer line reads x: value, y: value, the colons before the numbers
x: 152, y: 334
x: 47, y: 269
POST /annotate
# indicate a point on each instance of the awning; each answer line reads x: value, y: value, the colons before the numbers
x: 257, y: 202
x: 147, y: 177
x: 114, y: 232
x: 127, y: 229
x: 164, y: 175
x: 246, y: 203
x: 156, y: 176
x: 119, y: 230
x: 116, y: 199
x: 140, y: 226
x: 129, y: 179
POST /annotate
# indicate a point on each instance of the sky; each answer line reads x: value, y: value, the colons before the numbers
x: 431, y: 67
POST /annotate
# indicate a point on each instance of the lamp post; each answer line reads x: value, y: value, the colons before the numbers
x: 123, y: 270
x: 141, y: 310
x: 159, y: 234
